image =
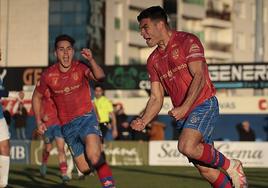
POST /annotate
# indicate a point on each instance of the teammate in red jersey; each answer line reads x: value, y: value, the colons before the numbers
x: 178, y: 66
x: 68, y: 83
x: 53, y: 132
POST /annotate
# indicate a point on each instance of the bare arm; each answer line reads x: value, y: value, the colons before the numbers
x: 152, y: 108
x: 196, y: 86
x: 36, y: 105
x: 97, y: 71
x: 114, y: 127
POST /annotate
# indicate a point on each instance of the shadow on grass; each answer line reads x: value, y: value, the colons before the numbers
x: 151, y: 172
x: 32, y: 179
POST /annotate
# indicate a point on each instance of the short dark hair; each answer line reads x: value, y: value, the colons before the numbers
x: 99, y: 85
x: 154, y: 13
x: 62, y: 38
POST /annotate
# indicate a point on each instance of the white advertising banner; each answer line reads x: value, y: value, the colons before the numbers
x: 228, y: 105
x: 252, y: 154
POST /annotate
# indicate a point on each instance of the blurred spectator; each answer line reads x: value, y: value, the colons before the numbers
x: 157, y: 130
x: 105, y: 112
x: 123, y: 127
x: 245, y: 132
x: 20, y: 119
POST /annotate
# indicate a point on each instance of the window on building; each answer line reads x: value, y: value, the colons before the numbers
x: 68, y: 17
x: 253, y: 11
x: 253, y: 42
x: 265, y: 16
x: 240, y: 41
x: 240, y: 9
x: 118, y: 15
x: 118, y: 52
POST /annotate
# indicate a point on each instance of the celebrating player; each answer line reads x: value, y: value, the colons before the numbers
x: 68, y: 83
x: 179, y: 67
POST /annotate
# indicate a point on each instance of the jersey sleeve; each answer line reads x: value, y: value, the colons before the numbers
x: 87, y: 72
x: 193, y: 49
x: 153, y: 76
x: 41, y: 85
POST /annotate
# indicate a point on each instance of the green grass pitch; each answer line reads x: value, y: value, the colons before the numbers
x: 27, y: 176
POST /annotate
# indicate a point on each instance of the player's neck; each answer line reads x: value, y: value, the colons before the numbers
x: 165, y: 40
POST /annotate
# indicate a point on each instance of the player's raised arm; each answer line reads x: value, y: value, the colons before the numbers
x: 98, y: 73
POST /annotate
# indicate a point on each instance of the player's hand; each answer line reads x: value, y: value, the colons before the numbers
x: 137, y: 124
x: 178, y: 112
x: 87, y: 54
x: 41, y: 128
x: 114, y: 133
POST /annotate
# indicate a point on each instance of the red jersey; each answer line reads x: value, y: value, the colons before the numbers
x: 49, y: 110
x: 69, y: 90
x: 170, y: 68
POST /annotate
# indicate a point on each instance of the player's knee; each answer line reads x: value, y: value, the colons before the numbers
x: 186, y: 149
x: 99, y: 162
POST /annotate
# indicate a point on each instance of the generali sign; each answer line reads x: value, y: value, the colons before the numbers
x: 252, y: 154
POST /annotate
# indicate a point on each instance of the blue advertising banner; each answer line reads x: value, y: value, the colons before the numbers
x: 20, y: 151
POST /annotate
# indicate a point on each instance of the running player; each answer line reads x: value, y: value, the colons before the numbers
x: 178, y: 66
x: 68, y: 82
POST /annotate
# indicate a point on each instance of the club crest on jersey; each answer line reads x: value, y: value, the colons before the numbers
x: 175, y: 53
x: 75, y: 76
x: 194, y: 119
x: 194, y: 48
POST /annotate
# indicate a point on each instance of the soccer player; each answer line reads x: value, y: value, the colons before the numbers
x: 4, y: 142
x: 68, y: 83
x: 178, y: 66
x: 53, y: 132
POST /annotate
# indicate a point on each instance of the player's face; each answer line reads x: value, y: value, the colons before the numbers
x: 150, y: 31
x: 64, y: 54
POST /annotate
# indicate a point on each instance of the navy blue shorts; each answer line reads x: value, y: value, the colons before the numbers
x: 52, y: 133
x: 75, y: 132
x: 203, y: 118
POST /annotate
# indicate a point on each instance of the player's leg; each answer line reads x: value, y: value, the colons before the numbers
x: 48, y: 139
x: 91, y: 136
x: 71, y: 133
x: 57, y: 134
x: 45, y: 156
x: 4, y: 153
x: 62, y: 159
x: 93, y: 151
x: 215, y: 177
x: 198, y: 128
